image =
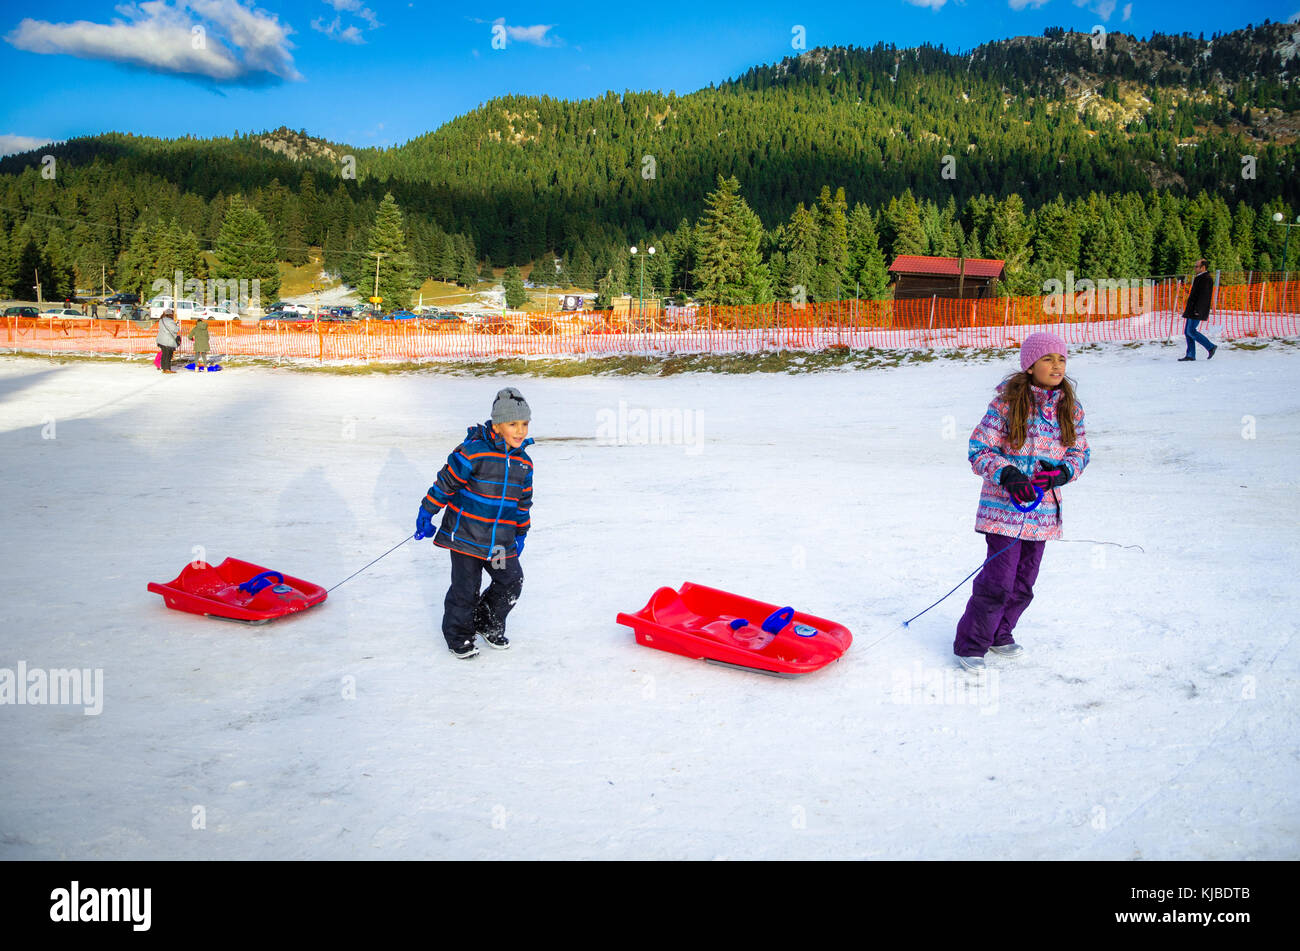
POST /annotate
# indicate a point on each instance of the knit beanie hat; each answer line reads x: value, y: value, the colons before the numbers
x: 509, y: 406
x: 1039, y: 345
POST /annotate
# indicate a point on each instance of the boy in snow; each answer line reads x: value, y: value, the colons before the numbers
x: 486, y: 490
x: 1031, y: 438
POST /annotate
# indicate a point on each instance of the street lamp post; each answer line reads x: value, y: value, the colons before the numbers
x: 1288, y: 225
x: 641, y: 296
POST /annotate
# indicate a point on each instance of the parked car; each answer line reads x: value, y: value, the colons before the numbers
x: 182, y: 308
x: 344, y: 312
x: 123, y: 298
x: 400, y: 315
x: 127, y: 312
x: 223, y: 310
x: 22, y: 312
x: 63, y: 313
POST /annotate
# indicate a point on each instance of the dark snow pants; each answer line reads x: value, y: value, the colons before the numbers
x: 466, y: 611
x: 1003, y: 589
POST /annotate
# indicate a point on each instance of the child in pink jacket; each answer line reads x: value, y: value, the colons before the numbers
x: 1031, y: 437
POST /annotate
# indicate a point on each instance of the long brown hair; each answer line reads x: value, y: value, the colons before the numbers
x: 1017, y: 391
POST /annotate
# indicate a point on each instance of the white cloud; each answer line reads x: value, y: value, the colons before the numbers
x: 220, y: 40
x: 1021, y: 4
x: 932, y: 4
x: 1128, y: 11
x: 355, y: 6
x: 536, y: 35
x: 1103, y: 8
x: 336, y: 31
x: 13, y: 144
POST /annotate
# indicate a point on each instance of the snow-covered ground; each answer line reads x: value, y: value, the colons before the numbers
x: 491, y: 300
x: 1154, y: 717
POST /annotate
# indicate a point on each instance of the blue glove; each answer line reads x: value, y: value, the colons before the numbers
x: 519, y: 546
x: 424, y: 524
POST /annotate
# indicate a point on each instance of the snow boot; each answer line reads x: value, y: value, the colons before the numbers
x: 497, y: 639
x: 465, y: 649
x: 972, y: 663
x: 1010, y: 651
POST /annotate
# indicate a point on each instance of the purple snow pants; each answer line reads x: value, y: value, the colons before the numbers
x: 1002, y: 591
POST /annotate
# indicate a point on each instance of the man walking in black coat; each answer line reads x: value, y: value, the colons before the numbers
x: 1198, y: 309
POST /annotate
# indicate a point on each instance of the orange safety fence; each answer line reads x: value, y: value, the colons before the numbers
x: 1151, y: 311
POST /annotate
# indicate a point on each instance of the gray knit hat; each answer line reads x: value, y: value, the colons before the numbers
x: 509, y: 406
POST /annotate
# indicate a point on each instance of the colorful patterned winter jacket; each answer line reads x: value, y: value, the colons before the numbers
x: 989, y: 454
x: 486, y: 489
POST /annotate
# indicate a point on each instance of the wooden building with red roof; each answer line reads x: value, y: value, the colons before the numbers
x: 917, y: 275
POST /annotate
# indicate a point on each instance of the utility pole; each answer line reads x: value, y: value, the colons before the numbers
x: 378, y: 255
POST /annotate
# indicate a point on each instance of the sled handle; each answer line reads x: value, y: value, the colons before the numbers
x: 1038, y: 490
x: 264, y: 580
x: 778, y: 619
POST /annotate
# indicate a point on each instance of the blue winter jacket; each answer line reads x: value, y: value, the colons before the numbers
x: 485, y: 492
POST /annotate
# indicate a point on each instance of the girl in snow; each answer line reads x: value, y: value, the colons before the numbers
x: 486, y: 490
x: 201, y: 343
x: 1032, y: 435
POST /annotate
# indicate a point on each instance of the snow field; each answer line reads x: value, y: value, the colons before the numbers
x: 1152, y: 718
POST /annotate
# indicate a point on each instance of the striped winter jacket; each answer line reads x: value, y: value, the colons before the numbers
x: 486, y: 490
x: 989, y: 454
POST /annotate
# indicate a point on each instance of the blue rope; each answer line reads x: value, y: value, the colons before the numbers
x: 964, y: 580
x: 1024, y: 510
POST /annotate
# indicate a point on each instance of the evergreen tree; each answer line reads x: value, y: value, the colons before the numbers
x: 1009, y: 239
x: 904, y: 224
x: 866, y: 261
x: 468, y: 269
x: 832, y: 246
x: 730, y: 269
x: 605, y: 291
x: 1056, y: 239
x: 246, y: 250
x: 800, y: 262
x: 584, y: 269
x: 1243, y: 235
x: 1220, y: 251
x: 387, y: 247
x: 516, y: 293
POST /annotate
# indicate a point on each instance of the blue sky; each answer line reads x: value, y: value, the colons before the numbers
x: 380, y: 72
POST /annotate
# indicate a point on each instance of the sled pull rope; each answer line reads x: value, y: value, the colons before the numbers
x: 384, y: 555
x: 964, y: 580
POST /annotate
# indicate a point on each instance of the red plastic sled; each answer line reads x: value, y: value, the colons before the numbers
x: 734, y: 631
x: 238, y: 591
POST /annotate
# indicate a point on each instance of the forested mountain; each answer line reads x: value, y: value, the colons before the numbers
x: 1068, y: 150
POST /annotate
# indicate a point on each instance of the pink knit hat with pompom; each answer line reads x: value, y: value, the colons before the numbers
x: 1039, y: 345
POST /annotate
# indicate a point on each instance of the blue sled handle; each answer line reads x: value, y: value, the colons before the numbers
x: 264, y: 580
x: 1038, y: 490
x: 778, y: 619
